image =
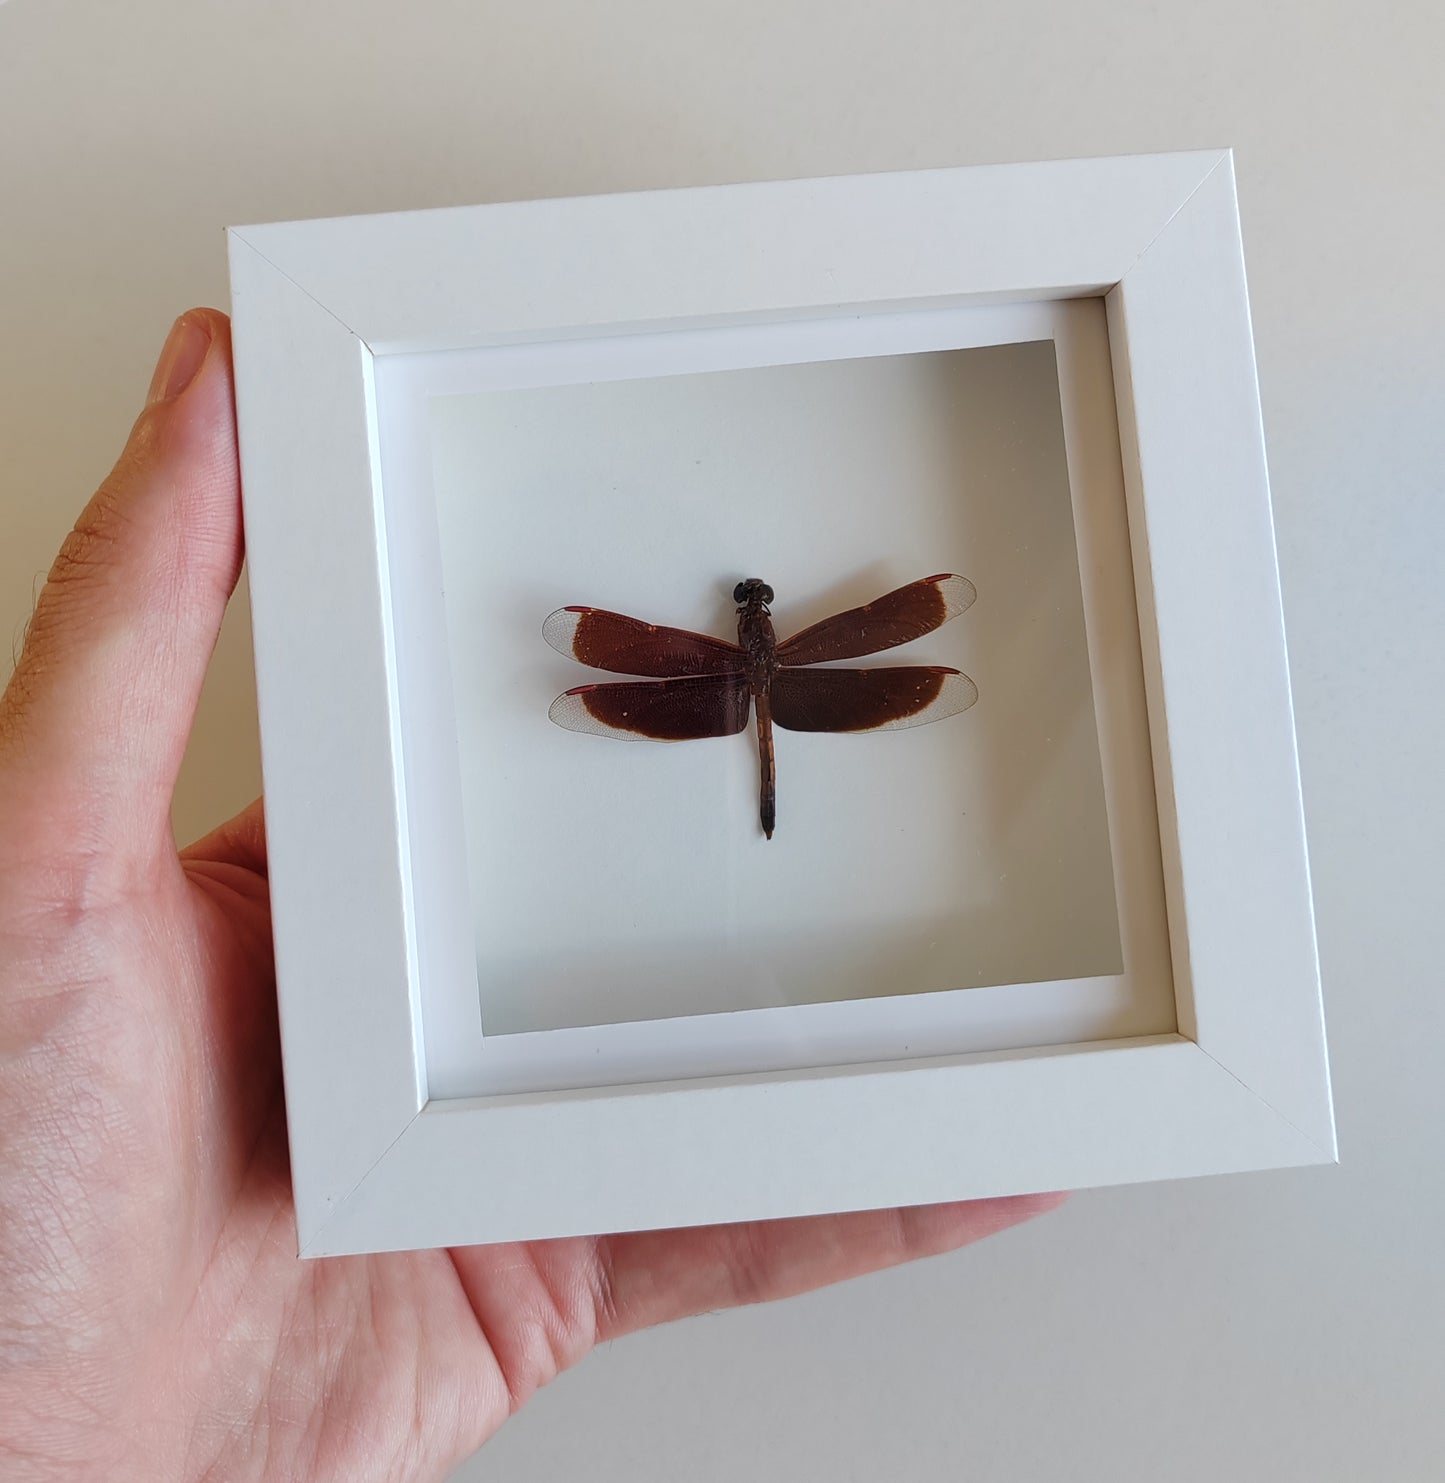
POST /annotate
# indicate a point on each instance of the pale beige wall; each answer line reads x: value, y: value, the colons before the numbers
x: 1272, y: 1327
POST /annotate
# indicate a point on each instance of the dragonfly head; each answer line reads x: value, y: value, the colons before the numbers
x: 754, y: 590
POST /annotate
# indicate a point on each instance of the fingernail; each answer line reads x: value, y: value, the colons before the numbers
x: 181, y: 358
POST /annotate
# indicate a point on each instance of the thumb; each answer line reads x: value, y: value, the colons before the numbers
x: 95, y: 718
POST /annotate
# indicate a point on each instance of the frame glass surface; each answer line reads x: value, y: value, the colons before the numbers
x: 627, y: 920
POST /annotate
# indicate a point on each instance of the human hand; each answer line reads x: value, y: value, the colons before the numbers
x: 155, y: 1321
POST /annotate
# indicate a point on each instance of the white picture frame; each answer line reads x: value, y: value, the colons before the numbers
x: 389, y: 1150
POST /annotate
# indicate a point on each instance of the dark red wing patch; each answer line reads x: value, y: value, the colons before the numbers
x: 898, y: 617
x: 868, y: 699
x: 628, y: 646
x: 662, y: 710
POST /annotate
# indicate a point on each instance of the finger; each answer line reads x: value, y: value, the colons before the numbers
x: 95, y: 718
x: 240, y: 841
x: 651, y: 1277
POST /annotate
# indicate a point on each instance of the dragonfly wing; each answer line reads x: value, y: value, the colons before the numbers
x: 628, y: 646
x: 659, y: 710
x: 898, y: 617
x: 868, y: 699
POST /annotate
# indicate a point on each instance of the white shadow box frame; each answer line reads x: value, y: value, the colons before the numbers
x: 1199, y: 1048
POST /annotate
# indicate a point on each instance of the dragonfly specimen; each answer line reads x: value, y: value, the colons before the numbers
x: 704, y: 686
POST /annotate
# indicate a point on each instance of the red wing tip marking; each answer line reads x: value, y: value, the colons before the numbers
x: 958, y: 593
x: 956, y: 693
x: 560, y: 629
x: 570, y: 711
